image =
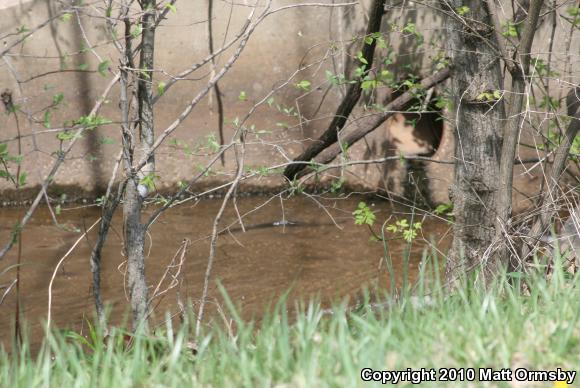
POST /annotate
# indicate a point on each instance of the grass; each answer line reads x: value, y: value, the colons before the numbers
x: 500, y: 328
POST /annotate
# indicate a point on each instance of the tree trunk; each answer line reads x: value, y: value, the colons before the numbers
x: 134, y: 247
x: 476, y: 69
x: 145, y: 88
x: 136, y: 189
x: 107, y: 215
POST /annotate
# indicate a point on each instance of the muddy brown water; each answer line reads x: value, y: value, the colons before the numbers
x: 324, y: 255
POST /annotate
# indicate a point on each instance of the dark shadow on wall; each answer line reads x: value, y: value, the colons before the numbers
x: 413, y: 48
x: 409, y: 57
x: 342, y: 25
x: 83, y: 92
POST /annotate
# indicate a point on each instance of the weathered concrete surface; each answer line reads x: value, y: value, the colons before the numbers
x: 279, y: 46
x: 5, y: 4
x: 181, y: 42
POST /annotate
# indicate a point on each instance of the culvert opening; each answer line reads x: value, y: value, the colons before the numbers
x: 417, y: 132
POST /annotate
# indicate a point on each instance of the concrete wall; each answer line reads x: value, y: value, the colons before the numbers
x: 274, y: 52
x: 279, y: 46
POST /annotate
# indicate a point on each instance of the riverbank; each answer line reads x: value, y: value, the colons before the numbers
x: 469, y: 329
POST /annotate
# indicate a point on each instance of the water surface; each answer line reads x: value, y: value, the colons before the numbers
x: 322, y: 255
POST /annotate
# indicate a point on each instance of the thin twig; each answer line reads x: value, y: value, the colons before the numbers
x: 62, y: 259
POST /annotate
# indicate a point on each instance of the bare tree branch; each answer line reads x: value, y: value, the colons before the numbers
x: 548, y: 196
x: 351, y: 98
x: 515, y: 120
x: 369, y: 124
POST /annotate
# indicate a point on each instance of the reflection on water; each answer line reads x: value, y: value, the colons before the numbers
x: 319, y: 252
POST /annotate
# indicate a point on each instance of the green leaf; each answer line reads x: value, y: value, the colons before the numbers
x: 442, y: 103
x: 304, y: 85
x: 443, y: 208
x: 361, y: 59
x: 103, y: 67
x: 66, y: 16
x: 137, y: 30
x: 575, y: 14
x: 65, y: 136
x: 46, y: 121
x: 386, y: 75
x: 363, y: 215
x: 410, y: 28
x: 162, y: 201
x: 336, y: 185
x: 510, y: 30
x: 573, y: 11
x: 145, y: 73
x: 381, y: 43
x: 16, y: 158
x: 171, y: 7
x: 403, y: 223
x: 161, y: 88
x: 149, y: 181
x: 106, y: 140
x: 492, y: 95
x: 331, y: 77
x: 22, y: 179
x: 83, y: 66
x: 368, y: 84
x: 57, y: 99
x: 359, y: 71
x: 461, y: 11
x: 91, y: 121
x: 338, y: 79
x: 100, y: 201
x: 542, y: 68
x: 409, y: 235
x: 242, y: 96
x: 212, y: 143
